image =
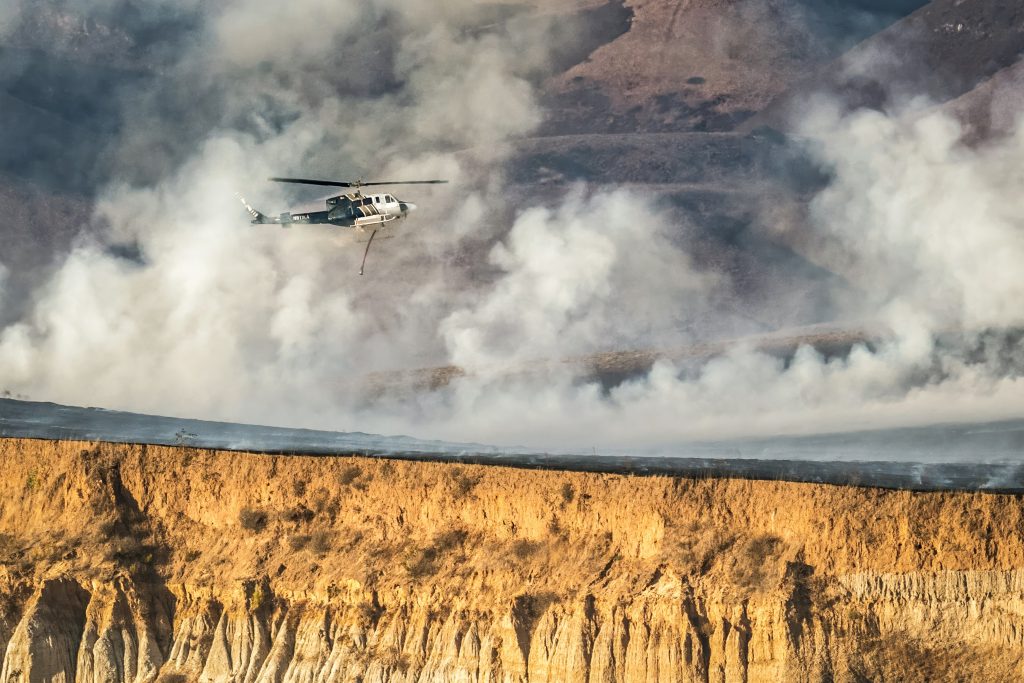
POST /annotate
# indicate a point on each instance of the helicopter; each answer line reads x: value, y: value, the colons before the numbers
x: 352, y: 210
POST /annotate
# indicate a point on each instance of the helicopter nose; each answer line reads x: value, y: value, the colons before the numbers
x: 408, y: 207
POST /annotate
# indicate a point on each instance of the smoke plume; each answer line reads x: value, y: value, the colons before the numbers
x: 170, y: 302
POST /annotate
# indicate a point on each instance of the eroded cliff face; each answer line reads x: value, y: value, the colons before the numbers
x: 135, y: 563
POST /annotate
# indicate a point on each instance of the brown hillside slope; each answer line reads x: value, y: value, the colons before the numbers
x: 686, y: 65
x: 125, y: 563
x: 942, y: 51
x: 992, y: 109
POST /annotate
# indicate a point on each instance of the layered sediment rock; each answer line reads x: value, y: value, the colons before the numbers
x: 133, y: 563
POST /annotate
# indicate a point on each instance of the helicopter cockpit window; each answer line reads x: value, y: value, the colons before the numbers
x: 389, y: 199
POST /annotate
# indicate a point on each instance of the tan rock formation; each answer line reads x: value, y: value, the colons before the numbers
x: 135, y: 563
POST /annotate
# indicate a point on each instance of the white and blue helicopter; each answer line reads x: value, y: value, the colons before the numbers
x: 354, y: 210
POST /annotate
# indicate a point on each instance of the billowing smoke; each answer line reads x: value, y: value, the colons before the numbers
x: 218, y: 313
x: 926, y: 230
x: 171, y: 303
x: 928, y: 225
x: 594, y: 274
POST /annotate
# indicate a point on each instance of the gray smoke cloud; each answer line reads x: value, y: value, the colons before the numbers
x: 3, y: 284
x: 9, y: 16
x: 925, y: 228
x: 219, y: 319
x: 219, y: 303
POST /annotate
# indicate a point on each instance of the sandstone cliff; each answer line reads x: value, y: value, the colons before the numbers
x: 134, y: 563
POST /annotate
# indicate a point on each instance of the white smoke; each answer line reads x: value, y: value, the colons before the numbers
x: 219, y: 314
x: 223, y: 320
x: 929, y: 227
x: 742, y: 394
x: 593, y: 274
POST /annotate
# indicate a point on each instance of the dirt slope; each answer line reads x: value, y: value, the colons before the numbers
x: 703, y: 65
x: 945, y: 49
x: 126, y: 563
x: 992, y: 109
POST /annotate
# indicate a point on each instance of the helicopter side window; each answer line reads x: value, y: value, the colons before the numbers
x: 389, y: 199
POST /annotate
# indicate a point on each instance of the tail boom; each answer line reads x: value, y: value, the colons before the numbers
x: 257, y: 217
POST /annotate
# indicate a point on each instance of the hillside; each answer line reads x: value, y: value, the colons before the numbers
x: 942, y: 51
x: 133, y: 563
x: 707, y: 65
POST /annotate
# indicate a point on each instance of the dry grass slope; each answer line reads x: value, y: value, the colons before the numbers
x: 549, y: 574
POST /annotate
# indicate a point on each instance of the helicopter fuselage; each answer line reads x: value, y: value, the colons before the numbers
x: 362, y: 213
x: 353, y: 210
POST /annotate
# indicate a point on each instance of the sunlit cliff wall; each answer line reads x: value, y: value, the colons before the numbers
x: 132, y: 563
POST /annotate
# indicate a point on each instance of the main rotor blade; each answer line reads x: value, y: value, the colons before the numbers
x: 341, y: 183
x: 308, y: 181
x: 406, y: 182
